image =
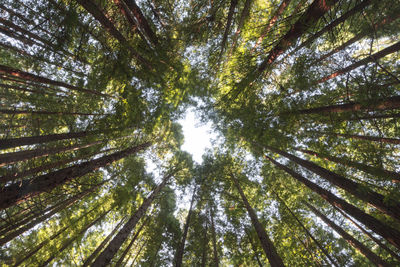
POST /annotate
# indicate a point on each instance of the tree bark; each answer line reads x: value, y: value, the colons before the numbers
x: 227, y: 27
x: 204, y: 252
x: 214, y: 239
x: 267, y: 245
x: 387, y: 51
x: 366, y: 137
x: 375, y: 259
x: 181, y: 246
x: 108, y: 253
x: 17, y: 193
x: 35, y: 78
x: 359, y: 166
x: 245, y: 13
x: 390, y: 234
x: 44, y: 112
x: 373, y: 198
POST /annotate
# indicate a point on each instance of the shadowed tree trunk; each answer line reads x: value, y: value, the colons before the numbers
x: 378, y: 261
x: 214, y: 238
x: 204, y: 252
x: 390, y: 234
x: 267, y: 245
x: 227, y: 27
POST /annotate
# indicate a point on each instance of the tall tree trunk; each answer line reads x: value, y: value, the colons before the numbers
x: 205, y: 247
x: 375, y: 199
x: 390, y: 234
x: 227, y: 27
x: 214, y: 239
x: 360, y: 166
x: 387, y: 51
x: 35, y: 78
x: 181, y: 246
x: 394, y: 141
x: 17, y: 193
x: 243, y: 16
x: 284, y: 4
x: 254, y: 248
x: 267, y: 245
x: 108, y: 253
x: 71, y: 240
x: 45, y: 112
x: 23, y: 141
x: 125, y: 252
x: 13, y: 157
x: 333, y: 24
x: 96, y: 12
x: 376, y: 240
x: 320, y: 246
x: 350, y: 239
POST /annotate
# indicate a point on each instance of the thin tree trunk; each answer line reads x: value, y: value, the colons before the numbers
x: 390, y: 234
x: 375, y: 259
x: 372, y: 58
x: 359, y: 166
x: 13, y: 157
x: 375, y: 199
x: 366, y: 137
x: 181, y: 246
x: 227, y: 27
x: 44, y: 112
x: 204, y: 252
x: 108, y: 253
x: 333, y: 24
x: 320, y: 246
x: 214, y: 239
x: 71, y: 240
x: 267, y: 245
x: 140, y: 250
x: 254, y: 248
x: 96, y: 12
x: 243, y: 16
x: 35, y: 78
x: 17, y: 193
x: 284, y: 4
x: 23, y: 141
x: 103, y: 244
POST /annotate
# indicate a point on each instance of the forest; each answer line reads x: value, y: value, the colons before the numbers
x: 303, y: 97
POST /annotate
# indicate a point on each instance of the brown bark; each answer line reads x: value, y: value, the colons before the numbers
x: 204, y: 252
x: 108, y: 253
x: 214, y: 239
x: 17, y: 193
x: 96, y: 12
x: 227, y: 26
x: 243, y: 16
x: 121, y: 259
x: 360, y: 166
x: 390, y: 234
x: 272, y: 21
x: 103, y: 244
x: 71, y: 240
x: 320, y: 246
x: 372, y: 58
x: 23, y: 141
x: 369, y: 138
x: 333, y: 24
x: 267, y: 245
x: 5, y: 70
x: 142, y: 21
x: 181, y: 246
x: 375, y: 259
x: 13, y: 157
x: 373, y: 198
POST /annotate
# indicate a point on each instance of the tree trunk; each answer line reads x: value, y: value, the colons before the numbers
x: 368, y: 138
x: 375, y: 259
x: 35, y: 78
x: 388, y: 50
x: 125, y: 252
x: 227, y: 27
x: 267, y: 245
x: 214, y: 239
x: 390, y: 234
x: 204, y: 252
x: 13, y: 157
x: 103, y: 244
x: 96, y: 12
x: 254, y: 248
x: 385, y: 174
x: 17, y: 193
x: 108, y: 253
x: 375, y: 199
x: 44, y: 112
x: 23, y: 141
x: 181, y: 246
x: 321, y: 247
x: 333, y: 24
x: 243, y: 16
x: 71, y: 240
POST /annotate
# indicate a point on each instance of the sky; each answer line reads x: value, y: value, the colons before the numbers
x: 197, y: 135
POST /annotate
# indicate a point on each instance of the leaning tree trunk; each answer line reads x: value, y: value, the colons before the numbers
x: 390, y: 234
x: 394, y: 141
x: 106, y: 256
x: 267, y: 245
x: 227, y: 28
x: 254, y: 248
x: 375, y: 259
x: 17, y: 193
x: 181, y: 246
x: 375, y: 199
